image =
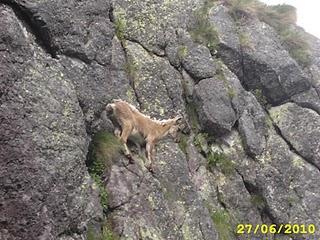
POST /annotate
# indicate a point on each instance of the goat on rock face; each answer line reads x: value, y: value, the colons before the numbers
x: 132, y: 122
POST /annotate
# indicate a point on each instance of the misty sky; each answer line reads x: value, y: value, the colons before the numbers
x: 308, y: 13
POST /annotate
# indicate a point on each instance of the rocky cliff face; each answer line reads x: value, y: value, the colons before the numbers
x: 253, y: 152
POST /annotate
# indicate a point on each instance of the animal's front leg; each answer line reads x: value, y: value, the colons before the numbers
x: 123, y: 138
x: 149, y: 149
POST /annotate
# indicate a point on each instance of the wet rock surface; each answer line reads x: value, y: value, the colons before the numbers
x: 251, y: 155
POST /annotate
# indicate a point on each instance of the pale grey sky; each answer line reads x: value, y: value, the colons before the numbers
x: 308, y: 13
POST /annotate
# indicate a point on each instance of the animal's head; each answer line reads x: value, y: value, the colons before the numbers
x: 109, y: 109
x: 177, y: 125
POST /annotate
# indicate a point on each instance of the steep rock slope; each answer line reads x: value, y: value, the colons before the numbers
x: 252, y: 152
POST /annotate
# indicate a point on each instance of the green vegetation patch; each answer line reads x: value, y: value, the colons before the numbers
x: 193, y: 116
x: 183, y: 143
x: 244, y: 40
x: 120, y: 25
x: 298, y: 46
x: 104, y: 148
x: 106, y: 234
x: 221, y: 161
x: 203, y: 31
x: 131, y: 68
x: 201, y: 143
x: 258, y: 201
x: 222, y: 220
x: 239, y: 8
x: 220, y: 75
x: 182, y: 51
x: 261, y: 98
x: 282, y: 18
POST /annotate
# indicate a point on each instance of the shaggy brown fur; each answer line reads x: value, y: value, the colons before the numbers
x: 133, y: 122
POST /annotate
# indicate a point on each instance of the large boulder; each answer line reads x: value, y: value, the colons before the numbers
x: 214, y: 107
x: 46, y: 191
x: 301, y: 128
x: 229, y: 44
x: 157, y: 85
x: 253, y: 126
x: 282, y: 185
x: 61, y: 62
x: 79, y: 30
x: 268, y: 66
x: 164, y: 205
x: 150, y: 22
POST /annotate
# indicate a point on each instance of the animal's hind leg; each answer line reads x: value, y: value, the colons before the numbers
x: 117, y: 133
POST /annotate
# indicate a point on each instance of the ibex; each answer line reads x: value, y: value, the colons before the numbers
x: 133, y: 123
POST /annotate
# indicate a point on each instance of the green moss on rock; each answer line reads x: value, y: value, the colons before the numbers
x: 120, y: 24
x: 222, y: 222
x: 258, y: 201
x: 203, y: 31
x: 183, y: 143
x: 200, y: 141
x: 221, y: 161
x: 105, y: 234
x: 182, y: 52
x: 193, y: 116
x: 104, y: 148
x: 282, y: 18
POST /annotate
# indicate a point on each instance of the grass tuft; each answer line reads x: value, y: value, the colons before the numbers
x: 200, y: 141
x: 221, y: 161
x: 120, y: 26
x: 183, y: 143
x: 182, y: 51
x: 203, y: 31
x: 282, y: 18
x: 106, y: 234
x: 258, y: 201
x: 220, y: 75
x: 104, y: 148
x: 193, y: 116
x: 131, y: 68
x: 221, y: 220
x: 261, y: 98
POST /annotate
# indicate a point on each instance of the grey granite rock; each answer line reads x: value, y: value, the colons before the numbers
x: 301, y: 128
x: 45, y: 188
x: 61, y: 62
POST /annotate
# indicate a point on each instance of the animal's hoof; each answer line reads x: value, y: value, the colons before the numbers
x: 151, y: 169
x: 129, y: 156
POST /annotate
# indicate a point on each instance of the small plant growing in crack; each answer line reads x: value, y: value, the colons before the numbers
x: 120, y: 26
x: 182, y: 51
x: 282, y: 18
x: 193, y: 116
x: 103, y: 149
x: 220, y: 75
x: 261, y: 98
x: 200, y: 141
x: 244, y: 40
x: 258, y: 201
x: 131, y: 68
x: 221, y: 219
x: 203, y: 31
x: 220, y: 161
x: 183, y: 143
x: 105, y: 234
